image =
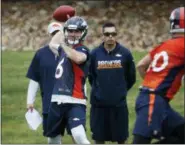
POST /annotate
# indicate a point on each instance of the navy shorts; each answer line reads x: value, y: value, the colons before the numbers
x: 155, y: 117
x: 109, y: 123
x: 44, y: 125
x: 64, y: 116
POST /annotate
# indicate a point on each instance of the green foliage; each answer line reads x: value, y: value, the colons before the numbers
x: 14, y: 90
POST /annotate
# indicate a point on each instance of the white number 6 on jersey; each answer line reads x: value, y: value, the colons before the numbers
x: 165, y: 58
x: 59, y: 69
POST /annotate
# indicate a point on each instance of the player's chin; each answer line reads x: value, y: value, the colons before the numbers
x: 110, y: 42
x: 72, y: 40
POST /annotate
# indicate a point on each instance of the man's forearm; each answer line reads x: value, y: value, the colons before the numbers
x: 55, y: 42
x: 142, y: 71
x: 77, y: 57
x: 32, y: 91
x: 54, y: 46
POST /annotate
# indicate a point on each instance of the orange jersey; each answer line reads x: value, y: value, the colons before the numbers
x: 167, y: 67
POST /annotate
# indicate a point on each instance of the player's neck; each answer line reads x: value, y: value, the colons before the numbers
x: 109, y: 47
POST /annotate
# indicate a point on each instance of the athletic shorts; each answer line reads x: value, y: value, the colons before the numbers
x: 64, y: 116
x: 154, y: 116
x: 62, y: 127
x: 109, y: 123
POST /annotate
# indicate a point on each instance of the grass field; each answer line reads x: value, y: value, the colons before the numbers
x: 14, y: 89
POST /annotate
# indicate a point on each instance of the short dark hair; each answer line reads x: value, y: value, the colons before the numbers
x: 108, y: 24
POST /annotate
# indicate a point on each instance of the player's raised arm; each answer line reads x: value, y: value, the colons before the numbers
x: 61, y: 14
x: 56, y: 41
x: 75, y: 55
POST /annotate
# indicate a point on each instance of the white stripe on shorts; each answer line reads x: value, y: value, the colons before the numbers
x: 67, y: 99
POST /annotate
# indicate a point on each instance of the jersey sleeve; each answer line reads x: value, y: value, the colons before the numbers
x: 153, y: 51
x: 33, y: 70
x: 83, y: 50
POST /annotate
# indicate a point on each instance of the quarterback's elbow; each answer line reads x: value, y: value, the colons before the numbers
x: 79, y: 60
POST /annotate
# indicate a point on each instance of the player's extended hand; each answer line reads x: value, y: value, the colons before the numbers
x: 30, y: 107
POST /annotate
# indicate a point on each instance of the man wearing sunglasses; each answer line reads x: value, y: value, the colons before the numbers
x: 111, y: 75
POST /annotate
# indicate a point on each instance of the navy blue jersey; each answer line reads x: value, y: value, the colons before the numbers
x: 111, y: 75
x: 70, y: 77
x: 42, y: 70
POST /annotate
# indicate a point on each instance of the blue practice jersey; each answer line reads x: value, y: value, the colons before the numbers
x: 42, y: 70
x: 111, y: 75
x: 70, y: 77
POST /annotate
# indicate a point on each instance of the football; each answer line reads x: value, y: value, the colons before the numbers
x: 60, y: 14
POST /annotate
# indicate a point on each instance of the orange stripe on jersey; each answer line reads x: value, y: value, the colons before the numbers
x: 78, y: 75
x: 182, y: 17
x: 175, y: 85
x: 151, y: 108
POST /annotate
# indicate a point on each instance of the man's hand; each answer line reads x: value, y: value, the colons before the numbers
x: 30, y: 107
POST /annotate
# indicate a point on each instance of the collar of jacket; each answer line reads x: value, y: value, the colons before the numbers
x: 110, y: 52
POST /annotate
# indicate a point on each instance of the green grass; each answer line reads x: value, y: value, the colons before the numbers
x: 14, y: 89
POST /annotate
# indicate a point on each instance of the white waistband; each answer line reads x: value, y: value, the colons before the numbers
x: 67, y: 99
x: 143, y: 87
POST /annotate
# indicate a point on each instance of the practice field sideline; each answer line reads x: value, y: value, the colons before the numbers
x: 14, y: 90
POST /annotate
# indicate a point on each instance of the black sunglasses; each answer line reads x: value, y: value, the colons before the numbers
x: 71, y: 30
x: 108, y: 34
